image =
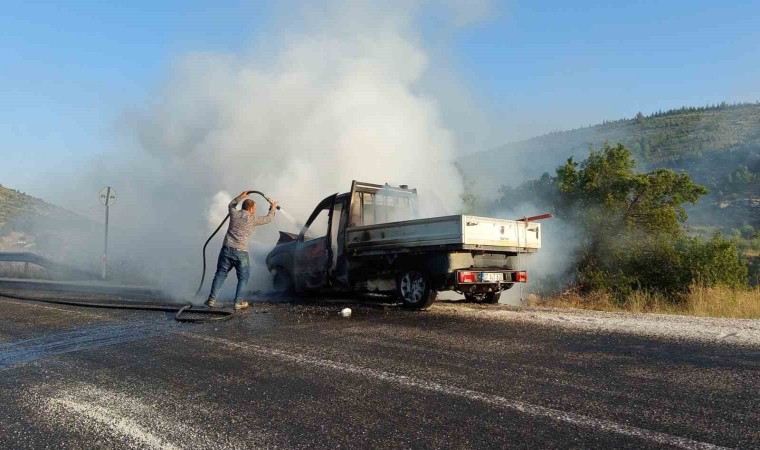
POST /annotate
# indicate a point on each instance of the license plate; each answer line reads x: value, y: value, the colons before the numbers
x: 492, y: 277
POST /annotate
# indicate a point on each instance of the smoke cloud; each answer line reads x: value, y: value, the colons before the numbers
x: 335, y: 94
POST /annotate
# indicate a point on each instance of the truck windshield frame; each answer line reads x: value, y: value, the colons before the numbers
x: 377, y: 204
x: 325, y: 205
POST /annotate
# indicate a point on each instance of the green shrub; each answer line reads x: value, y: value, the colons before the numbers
x: 717, y: 261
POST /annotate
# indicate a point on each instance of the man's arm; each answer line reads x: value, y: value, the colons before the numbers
x: 263, y: 220
x: 235, y: 201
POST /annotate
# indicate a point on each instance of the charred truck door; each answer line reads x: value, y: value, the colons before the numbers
x: 314, y: 251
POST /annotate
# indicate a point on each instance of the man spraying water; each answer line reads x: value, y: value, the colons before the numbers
x: 234, y: 252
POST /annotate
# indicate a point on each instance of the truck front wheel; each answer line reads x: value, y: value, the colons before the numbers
x: 414, y: 290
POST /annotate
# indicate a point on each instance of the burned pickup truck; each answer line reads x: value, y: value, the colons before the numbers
x: 369, y: 240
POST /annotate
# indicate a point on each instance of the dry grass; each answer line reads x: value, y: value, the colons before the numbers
x: 699, y: 301
x: 723, y: 302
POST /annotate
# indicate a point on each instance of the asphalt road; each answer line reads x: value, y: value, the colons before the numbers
x: 291, y: 376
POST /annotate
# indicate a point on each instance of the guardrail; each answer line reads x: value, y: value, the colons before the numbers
x: 56, y: 270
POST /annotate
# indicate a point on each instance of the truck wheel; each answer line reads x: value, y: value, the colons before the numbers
x: 282, y: 283
x: 414, y: 290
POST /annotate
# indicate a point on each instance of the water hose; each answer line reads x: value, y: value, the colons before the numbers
x: 203, y: 273
x: 179, y: 308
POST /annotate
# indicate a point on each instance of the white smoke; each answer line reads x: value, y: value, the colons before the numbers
x: 218, y: 209
x: 326, y: 111
x: 337, y: 94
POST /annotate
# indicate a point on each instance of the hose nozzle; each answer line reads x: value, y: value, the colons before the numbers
x: 270, y: 201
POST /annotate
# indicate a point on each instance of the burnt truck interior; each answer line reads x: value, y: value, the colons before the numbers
x: 321, y: 258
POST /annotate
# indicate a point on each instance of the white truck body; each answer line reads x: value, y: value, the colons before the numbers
x: 460, y: 231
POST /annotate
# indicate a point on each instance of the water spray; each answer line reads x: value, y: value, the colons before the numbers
x: 292, y: 219
x: 284, y: 213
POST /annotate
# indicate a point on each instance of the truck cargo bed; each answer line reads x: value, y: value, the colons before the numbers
x: 448, y: 232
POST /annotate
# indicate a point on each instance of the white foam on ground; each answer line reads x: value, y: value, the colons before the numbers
x: 599, y: 425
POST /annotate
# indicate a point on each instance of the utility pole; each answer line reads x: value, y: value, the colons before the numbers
x: 107, y: 198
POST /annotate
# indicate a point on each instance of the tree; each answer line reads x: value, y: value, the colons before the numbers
x: 631, y: 225
x: 606, y: 183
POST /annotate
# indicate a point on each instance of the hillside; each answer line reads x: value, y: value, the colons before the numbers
x: 29, y: 223
x: 719, y: 146
x: 15, y: 206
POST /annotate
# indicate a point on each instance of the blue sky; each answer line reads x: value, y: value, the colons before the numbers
x: 613, y: 59
x: 69, y: 69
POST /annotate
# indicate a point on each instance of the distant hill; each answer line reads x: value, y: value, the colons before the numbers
x: 15, y: 206
x: 719, y: 146
x: 35, y: 222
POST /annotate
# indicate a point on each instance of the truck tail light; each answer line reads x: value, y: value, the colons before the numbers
x: 521, y: 277
x: 466, y: 277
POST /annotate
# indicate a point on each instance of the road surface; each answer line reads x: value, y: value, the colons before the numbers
x: 299, y: 375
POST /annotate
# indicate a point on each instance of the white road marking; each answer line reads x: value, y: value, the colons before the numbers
x: 127, y: 416
x: 495, y: 400
x: 117, y: 423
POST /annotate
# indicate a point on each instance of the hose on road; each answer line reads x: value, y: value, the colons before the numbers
x: 181, y: 309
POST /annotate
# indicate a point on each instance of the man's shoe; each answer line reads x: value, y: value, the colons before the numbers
x: 241, y: 305
x: 211, y: 303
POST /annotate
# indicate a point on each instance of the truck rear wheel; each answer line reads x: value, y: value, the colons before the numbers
x: 414, y: 290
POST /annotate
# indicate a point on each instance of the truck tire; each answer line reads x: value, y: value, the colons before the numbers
x: 282, y: 282
x: 414, y: 289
